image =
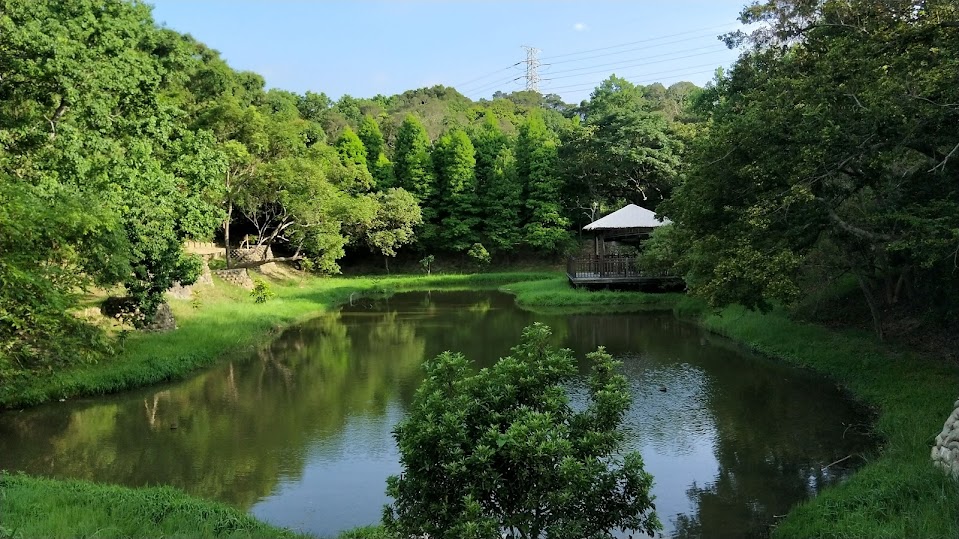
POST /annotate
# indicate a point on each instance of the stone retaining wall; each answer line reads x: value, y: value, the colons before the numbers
x: 945, y: 454
x: 238, y: 277
x: 178, y: 291
x: 252, y: 255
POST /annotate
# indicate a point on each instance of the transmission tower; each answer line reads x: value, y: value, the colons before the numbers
x: 532, y: 64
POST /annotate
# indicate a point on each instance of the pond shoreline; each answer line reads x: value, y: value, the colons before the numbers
x: 897, y: 494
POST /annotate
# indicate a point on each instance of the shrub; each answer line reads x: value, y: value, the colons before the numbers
x: 427, y: 263
x: 479, y: 254
x: 502, y: 452
x: 261, y: 292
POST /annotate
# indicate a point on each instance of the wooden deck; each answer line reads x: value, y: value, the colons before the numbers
x: 617, y: 272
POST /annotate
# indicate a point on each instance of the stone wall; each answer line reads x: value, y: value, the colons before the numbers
x: 206, y: 249
x: 178, y: 291
x: 238, y: 277
x: 945, y: 454
x: 252, y: 255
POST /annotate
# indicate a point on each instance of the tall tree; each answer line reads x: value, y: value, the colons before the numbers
x: 455, y: 163
x: 85, y: 116
x: 412, y: 165
x: 353, y: 155
x: 834, y: 132
x: 502, y: 204
x: 545, y: 226
x: 379, y: 165
x: 623, y: 150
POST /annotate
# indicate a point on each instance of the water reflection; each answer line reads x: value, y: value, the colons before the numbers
x: 300, y: 433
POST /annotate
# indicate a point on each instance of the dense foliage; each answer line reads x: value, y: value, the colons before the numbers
x: 502, y: 451
x: 120, y: 139
x: 831, y: 150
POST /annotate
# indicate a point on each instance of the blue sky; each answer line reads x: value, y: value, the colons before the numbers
x: 364, y: 48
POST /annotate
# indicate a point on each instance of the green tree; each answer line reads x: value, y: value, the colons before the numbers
x: 393, y: 224
x: 456, y: 204
x: 353, y: 155
x: 503, y: 204
x: 293, y: 201
x: 351, y: 148
x: 380, y: 166
x: 623, y: 150
x: 369, y: 132
x: 832, y: 138
x: 502, y: 451
x: 85, y: 116
x: 411, y: 160
x: 545, y: 226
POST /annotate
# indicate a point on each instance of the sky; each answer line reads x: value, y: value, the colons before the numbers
x: 366, y: 47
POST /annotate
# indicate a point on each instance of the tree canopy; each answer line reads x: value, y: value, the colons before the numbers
x: 502, y: 451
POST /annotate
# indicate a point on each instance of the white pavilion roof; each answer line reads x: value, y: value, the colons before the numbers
x: 630, y: 216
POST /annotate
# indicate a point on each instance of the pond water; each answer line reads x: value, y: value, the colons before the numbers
x: 300, y: 435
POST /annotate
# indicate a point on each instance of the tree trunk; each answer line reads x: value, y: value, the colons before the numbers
x: 873, y: 308
x: 226, y: 230
x: 387, y: 260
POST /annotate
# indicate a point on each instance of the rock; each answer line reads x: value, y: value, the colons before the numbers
x: 945, y: 452
x: 163, y: 319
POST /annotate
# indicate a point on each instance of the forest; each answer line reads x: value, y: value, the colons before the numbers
x: 822, y: 163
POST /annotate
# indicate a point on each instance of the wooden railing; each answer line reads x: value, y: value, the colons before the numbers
x: 602, y: 266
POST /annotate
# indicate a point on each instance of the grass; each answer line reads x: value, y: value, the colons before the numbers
x: 37, y: 507
x: 555, y: 292
x: 898, y: 494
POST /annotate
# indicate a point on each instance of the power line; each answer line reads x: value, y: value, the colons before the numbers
x: 471, y: 81
x: 711, y: 48
x: 642, y: 64
x: 643, y: 48
x: 492, y: 85
x: 647, y: 40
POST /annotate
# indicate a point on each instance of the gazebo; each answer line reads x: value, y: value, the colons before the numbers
x: 631, y: 223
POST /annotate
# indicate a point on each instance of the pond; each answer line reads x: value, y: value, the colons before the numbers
x: 300, y: 434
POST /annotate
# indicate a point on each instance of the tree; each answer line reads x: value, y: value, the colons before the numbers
x: 369, y: 132
x: 833, y: 133
x: 293, y: 201
x: 392, y: 226
x: 353, y: 155
x: 85, y: 116
x: 456, y: 204
x: 376, y: 159
x: 502, y: 451
x: 351, y: 148
x: 623, y: 150
x: 536, y: 154
x: 502, y: 204
x: 412, y: 166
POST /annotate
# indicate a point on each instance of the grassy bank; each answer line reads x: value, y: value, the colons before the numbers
x: 36, y: 507
x: 223, y: 321
x: 899, y: 494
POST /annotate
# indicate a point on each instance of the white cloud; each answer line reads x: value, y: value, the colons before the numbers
x: 580, y: 27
